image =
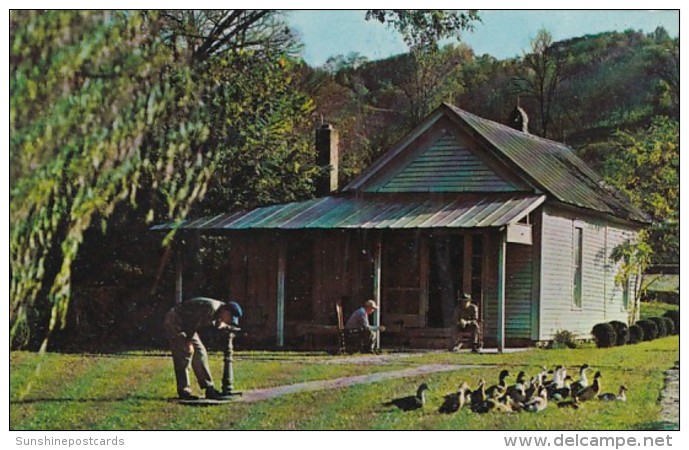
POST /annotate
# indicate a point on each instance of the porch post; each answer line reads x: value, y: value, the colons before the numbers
x: 377, y: 263
x: 282, y: 266
x: 179, y: 270
x: 502, y: 254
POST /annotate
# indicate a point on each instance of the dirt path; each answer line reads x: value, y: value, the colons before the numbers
x: 268, y: 393
x: 669, y: 400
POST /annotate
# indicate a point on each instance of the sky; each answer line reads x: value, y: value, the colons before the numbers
x: 503, y: 33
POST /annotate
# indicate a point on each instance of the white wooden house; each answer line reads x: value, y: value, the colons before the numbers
x: 460, y: 203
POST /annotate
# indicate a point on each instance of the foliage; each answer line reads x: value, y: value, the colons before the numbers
x: 632, y: 257
x: 604, y: 334
x: 564, y: 339
x: 621, y: 331
x: 148, y: 379
x: 426, y: 27
x: 674, y: 316
x: 636, y: 334
x: 650, y: 329
x: 669, y: 325
x: 190, y: 111
x: 645, y: 166
x: 543, y: 69
x: 660, y: 324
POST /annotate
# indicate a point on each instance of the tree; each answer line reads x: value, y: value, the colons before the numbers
x: 193, y: 100
x: 426, y: 27
x: 664, y: 65
x: 543, y: 73
x: 645, y: 166
x: 433, y: 73
x: 633, y: 257
x: 433, y: 76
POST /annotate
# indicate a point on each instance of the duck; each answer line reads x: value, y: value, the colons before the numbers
x: 558, y: 380
x: 539, y: 402
x: 590, y: 392
x: 583, y: 380
x: 518, y: 390
x: 455, y: 401
x: 533, y: 388
x: 491, y: 404
x: 610, y: 397
x: 574, y: 404
x: 498, y: 390
x: 479, y: 395
x: 563, y: 392
x: 514, y: 404
x: 411, y: 402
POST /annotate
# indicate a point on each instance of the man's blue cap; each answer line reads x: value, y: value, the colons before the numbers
x: 236, y: 311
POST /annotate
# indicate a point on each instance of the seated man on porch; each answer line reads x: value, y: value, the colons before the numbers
x: 360, y: 335
x: 465, y: 319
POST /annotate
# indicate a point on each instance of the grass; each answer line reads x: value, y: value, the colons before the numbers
x: 661, y: 283
x: 655, y: 309
x: 132, y: 391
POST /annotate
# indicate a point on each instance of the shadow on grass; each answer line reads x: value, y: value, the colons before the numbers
x: 659, y: 426
x: 88, y: 400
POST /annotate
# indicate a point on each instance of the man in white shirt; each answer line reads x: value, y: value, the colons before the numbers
x: 359, y: 331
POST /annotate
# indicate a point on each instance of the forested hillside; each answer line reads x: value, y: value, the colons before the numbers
x: 604, y: 83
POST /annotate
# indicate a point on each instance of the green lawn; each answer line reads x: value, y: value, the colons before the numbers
x: 132, y: 391
x: 655, y: 309
x: 661, y: 283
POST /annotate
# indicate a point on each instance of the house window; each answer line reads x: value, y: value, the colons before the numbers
x: 578, y: 272
x: 625, y: 294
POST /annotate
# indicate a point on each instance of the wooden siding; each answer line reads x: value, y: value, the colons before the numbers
x: 253, y: 283
x: 519, y: 272
x: 489, y: 315
x: 601, y: 300
x: 446, y: 166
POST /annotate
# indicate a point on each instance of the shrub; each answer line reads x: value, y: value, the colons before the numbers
x: 669, y: 325
x: 650, y: 329
x: 564, y: 339
x: 636, y: 334
x: 660, y: 323
x: 621, y: 332
x: 674, y: 315
x: 604, y: 334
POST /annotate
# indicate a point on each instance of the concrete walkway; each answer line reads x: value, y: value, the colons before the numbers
x: 268, y: 393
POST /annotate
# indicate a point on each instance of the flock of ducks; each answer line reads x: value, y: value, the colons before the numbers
x: 524, y: 394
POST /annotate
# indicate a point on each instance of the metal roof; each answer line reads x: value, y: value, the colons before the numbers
x: 555, y: 167
x: 385, y: 211
x: 550, y: 167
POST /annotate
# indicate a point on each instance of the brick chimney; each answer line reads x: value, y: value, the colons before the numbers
x: 327, y: 159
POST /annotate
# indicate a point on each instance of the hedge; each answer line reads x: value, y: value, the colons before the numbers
x: 650, y: 329
x: 621, y: 332
x: 604, y: 334
x: 636, y: 334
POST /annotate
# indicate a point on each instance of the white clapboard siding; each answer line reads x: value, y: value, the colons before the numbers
x: 518, y: 286
x: 601, y: 299
x: 614, y: 293
x: 556, y: 276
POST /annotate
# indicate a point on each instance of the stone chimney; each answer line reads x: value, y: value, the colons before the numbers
x: 327, y: 159
x: 518, y: 119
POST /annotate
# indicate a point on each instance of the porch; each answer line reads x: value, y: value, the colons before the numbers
x: 290, y: 277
